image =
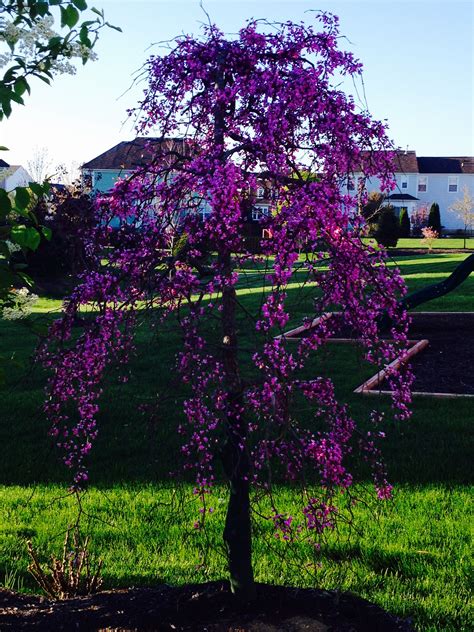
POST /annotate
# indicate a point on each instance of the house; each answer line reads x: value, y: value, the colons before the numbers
x: 424, y: 180
x: 12, y: 176
x: 122, y: 159
x: 420, y: 181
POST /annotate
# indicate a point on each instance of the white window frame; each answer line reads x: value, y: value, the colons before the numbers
x: 259, y: 212
x: 422, y: 182
x: 453, y: 181
x: 404, y: 183
x: 260, y: 192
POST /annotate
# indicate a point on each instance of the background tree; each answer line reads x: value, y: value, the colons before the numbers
x: 434, y: 219
x: 404, y: 228
x: 429, y: 237
x: 34, y: 50
x: 464, y: 209
x: 419, y: 219
x: 40, y: 166
x: 252, y: 104
x: 372, y: 206
x: 387, y: 228
x: 69, y: 214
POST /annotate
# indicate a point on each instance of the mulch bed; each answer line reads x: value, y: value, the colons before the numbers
x: 201, y: 607
x: 447, y: 364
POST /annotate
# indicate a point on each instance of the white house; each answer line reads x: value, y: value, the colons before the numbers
x: 12, y: 176
x: 424, y: 180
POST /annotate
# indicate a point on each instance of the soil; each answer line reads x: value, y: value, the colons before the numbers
x: 446, y: 365
x: 201, y: 607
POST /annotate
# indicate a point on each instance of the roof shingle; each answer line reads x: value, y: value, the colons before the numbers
x: 140, y: 152
x: 454, y: 164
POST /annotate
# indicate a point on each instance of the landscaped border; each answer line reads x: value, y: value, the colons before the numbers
x: 369, y: 386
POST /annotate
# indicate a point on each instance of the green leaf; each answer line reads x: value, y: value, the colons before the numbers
x: 21, y: 86
x: 36, y: 188
x: 5, y: 203
x: 63, y: 16
x: 84, y: 37
x: 80, y: 4
x: 6, y: 107
x: 97, y: 12
x: 3, y: 148
x: 72, y: 16
x: 22, y: 198
x: 112, y: 26
x: 25, y: 236
x: 42, y: 8
x: 40, y: 76
x: 47, y: 233
x: 54, y: 42
x: 15, y: 97
x: 26, y: 278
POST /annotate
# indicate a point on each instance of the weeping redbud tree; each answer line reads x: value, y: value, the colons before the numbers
x: 228, y: 114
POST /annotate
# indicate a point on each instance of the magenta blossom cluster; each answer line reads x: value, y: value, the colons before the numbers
x: 226, y: 115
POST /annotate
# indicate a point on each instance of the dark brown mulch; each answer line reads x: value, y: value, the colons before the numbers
x: 201, y: 607
x: 447, y: 364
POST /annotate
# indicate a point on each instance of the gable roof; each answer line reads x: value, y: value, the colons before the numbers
x: 406, y: 162
x: 403, y: 161
x: 3, y: 163
x: 401, y: 197
x: 455, y: 164
x: 141, y: 151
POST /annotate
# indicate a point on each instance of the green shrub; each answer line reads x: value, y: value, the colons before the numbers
x: 387, y: 228
x: 404, y: 228
x: 434, y: 218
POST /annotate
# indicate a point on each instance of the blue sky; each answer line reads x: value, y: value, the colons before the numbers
x: 417, y: 55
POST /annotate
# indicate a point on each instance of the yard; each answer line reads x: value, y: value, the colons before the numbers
x: 409, y: 555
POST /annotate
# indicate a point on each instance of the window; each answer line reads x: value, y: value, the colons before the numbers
x: 259, y: 212
x: 422, y: 184
x: 260, y: 192
x: 453, y: 184
x: 404, y: 183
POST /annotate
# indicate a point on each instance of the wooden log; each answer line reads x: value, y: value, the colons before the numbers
x: 421, y: 394
x: 294, y: 332
x: 376, y: 379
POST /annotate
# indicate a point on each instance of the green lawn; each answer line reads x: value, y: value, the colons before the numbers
x: 445, y: 243
x: 411, y: 555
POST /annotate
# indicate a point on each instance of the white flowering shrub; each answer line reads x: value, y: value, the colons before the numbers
x: 21, y: 305
x: 28, y: 42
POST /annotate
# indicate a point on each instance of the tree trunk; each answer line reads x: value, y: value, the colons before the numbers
x: 237, y: 531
